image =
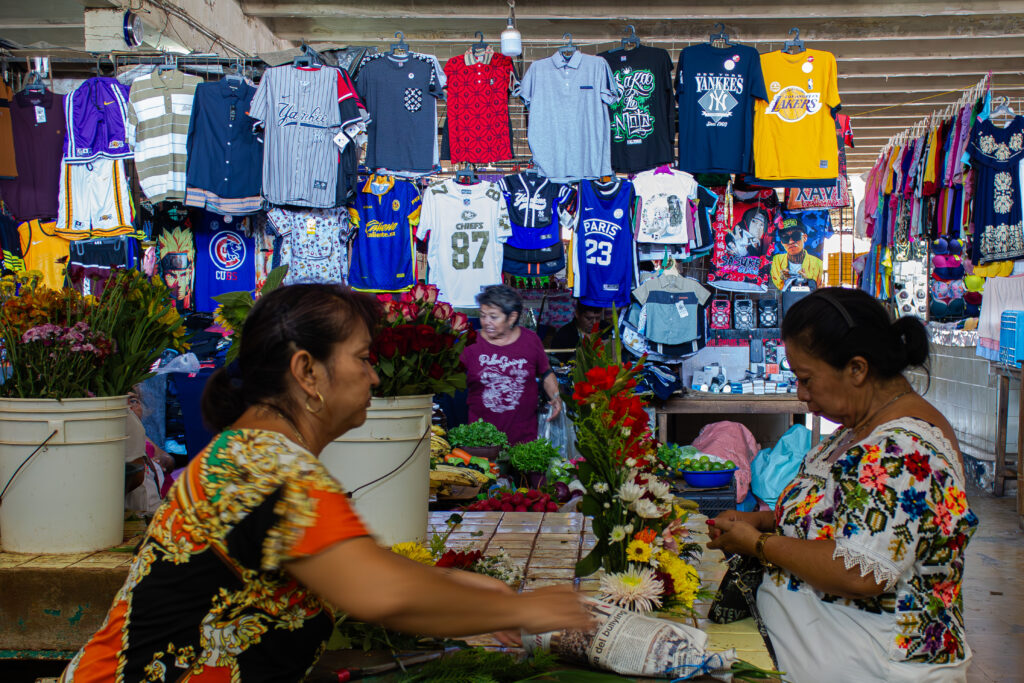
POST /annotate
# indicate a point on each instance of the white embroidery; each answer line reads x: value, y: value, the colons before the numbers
x: 1003, y: 201
x: 885, y: 573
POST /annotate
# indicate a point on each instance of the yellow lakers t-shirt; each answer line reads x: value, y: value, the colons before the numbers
x: 794, y: 132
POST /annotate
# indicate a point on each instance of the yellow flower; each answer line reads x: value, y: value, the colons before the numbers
x: 416, y: 552
x: 956, y: 500
x: 638, y: 551
x: 219, y: 319
x: 684, y: 576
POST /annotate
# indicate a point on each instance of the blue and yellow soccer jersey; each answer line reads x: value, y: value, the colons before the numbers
x: 384, y: 216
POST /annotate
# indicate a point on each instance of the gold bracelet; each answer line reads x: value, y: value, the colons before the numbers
x: 759, y: 549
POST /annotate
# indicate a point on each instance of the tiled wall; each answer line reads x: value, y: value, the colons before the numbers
x: 965, y: 392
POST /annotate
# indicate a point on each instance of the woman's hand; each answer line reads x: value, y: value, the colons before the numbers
x: 734, y: 535
x: 506, y: 638
x: 556, y: 407
x: 763, y: 521
x: 553, y: 608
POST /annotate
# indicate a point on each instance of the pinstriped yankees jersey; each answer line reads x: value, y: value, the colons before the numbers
x: 299, y: 110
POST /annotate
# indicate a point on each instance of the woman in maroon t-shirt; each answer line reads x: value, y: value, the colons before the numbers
x: 502, y: 367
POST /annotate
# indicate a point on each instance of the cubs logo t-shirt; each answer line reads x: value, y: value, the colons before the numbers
x: 794, y: 131
x: 225, y: 260
x: 716, y: 89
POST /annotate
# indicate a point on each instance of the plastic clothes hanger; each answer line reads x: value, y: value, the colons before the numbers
x: 568, y: 49
x: 481, y: 44
x: 794, y: 45
x: 35, y: 84
x: 468, y: 175
x: 631, y: 39
x: 236, y: 74
x: 401, y: 48
x: 721, y: 38
x: 306, y: 58
x: 170, y: 64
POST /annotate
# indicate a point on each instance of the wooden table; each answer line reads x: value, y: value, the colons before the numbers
x: 769, y: 404
x: 1004, y: 374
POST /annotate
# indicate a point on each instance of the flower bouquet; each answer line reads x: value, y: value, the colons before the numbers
x: 641, y: 540
x: 60, y: 344
x: 417, y: 344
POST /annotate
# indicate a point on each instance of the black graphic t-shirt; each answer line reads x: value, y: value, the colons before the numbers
x: 642, y: 116
x: 716, y: 88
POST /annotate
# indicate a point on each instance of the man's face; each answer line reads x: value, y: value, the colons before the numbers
x: 587, y: 319
x: 793, y: 240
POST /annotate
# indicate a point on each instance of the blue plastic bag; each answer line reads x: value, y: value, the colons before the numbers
x: 774, y: 468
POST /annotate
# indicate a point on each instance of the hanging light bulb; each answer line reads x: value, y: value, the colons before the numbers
x: 511, y: 39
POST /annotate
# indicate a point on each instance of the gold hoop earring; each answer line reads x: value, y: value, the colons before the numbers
x: 319, y: 408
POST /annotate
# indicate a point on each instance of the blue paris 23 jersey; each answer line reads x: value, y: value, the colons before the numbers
x: 603, y: 245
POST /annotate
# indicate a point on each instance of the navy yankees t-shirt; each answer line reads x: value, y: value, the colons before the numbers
x: 642, y: 117
x: 225, y: 259
x: 716, y: 88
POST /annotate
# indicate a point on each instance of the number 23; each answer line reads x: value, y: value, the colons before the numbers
x: 599, y: 252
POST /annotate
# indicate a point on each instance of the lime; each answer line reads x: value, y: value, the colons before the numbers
x: 705, y: 458
x: 729, y: 464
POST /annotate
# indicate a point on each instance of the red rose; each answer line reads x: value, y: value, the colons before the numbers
x: 385, y: 298
x: 460, y: 322
x: 436, y: 371
x: 387, y: 349
x: 443, y: 311
x: 470, y: 336
x: 424, y: 293
x: 459, y: 560
x: 409, y: 310
x: 437, y: 344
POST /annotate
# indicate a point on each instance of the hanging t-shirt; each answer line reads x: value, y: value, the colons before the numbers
x: 383, y: 216
x: 716, y: 89
x: 794, y: 132
x: 603, y: 253
x: 744, y: 245
x: 642, y: 116
x: 671, y: 308
x: 569, y: 129
x: 534, y: 205
x: 478, y: 124
x: 317, y: 242
x: 225, y: 259
x: 997, y: 156
x: 466, y: 225
x: 799, y: 245
x: 663, y: 206
x: 401, y: 97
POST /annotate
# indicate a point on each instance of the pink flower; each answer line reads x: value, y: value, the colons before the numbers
x: 943, y: 519
x: 874, y: 477
x: 946, y: 592
x: 385, y: 298
x: 408, y: 310
x: 424, y: 293
x: 460, y: 322
x: 392, y: 313
x: 443, y: 311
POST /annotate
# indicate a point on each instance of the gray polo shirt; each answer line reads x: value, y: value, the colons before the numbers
x: 570, y: 130
x: 673, y: 311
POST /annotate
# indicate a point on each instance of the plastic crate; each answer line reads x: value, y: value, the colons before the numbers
x: 1011, y: 338
x: 710, y: 501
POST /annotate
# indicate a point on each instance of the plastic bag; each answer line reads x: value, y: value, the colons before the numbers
x: 187, y: 363
x: 774, y: 468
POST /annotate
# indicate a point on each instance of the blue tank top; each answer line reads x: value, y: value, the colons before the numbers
x: 604, y: 246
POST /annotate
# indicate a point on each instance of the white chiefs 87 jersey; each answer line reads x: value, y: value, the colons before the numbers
x: 467, y: 226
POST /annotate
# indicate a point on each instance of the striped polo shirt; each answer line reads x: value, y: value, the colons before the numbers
x: 160, y: 107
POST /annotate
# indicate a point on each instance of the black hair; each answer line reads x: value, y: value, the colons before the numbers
x: 310, y: 317
x: 836, y: 324
x: 586, y: 308
x: 503, y: 297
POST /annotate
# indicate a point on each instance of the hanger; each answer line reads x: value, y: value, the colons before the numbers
x: 99, y: 67
x: 401, y: 48
x: 170, y: 63
x: 236, y: 73
x: 720, y: 39
x: 35, y: 83
x: 568, y: 49
x: 794, y: 42
x: 630, y: 39
x: 468, y: 174
x: 1002, y: 107
x: 306, y: 58
x: 481, y: 44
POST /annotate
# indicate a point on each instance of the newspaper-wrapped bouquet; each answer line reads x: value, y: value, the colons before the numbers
x: 642, y: 543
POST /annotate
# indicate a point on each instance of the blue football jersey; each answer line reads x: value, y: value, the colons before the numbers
x: 604, y: 253
x: 225, y: 260
x: 383, y: 216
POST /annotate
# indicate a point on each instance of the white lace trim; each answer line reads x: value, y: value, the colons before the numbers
x: 885, y: 572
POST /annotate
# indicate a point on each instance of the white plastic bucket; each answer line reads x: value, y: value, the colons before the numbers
x: 69, y: 497
x: 394, y: 509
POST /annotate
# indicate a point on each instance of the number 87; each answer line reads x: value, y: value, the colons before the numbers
x: 460, y: 249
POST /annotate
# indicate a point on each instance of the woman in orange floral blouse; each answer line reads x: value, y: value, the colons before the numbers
x: 239, y: 570
x: 864, y: 552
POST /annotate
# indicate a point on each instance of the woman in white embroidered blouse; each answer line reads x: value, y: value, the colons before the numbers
x: 864, y: 553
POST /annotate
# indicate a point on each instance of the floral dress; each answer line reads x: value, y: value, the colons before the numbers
x: 206, y: 598
x: 894, y: 503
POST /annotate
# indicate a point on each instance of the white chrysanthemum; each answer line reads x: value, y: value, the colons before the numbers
x: 659, y: 489
x: 630, y: 462
x: 634, y: 589
x: 601, y: 487
x: 646, y: 509
x: 630, y: 492
x: 619, y: 534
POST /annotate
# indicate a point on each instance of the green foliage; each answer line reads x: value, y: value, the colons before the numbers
x: 533, y: 456
x: 475, y: 434
x: 478, y: 665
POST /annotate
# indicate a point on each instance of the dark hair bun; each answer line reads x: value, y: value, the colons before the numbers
x: 912, y: 335
x: 223, y: 400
